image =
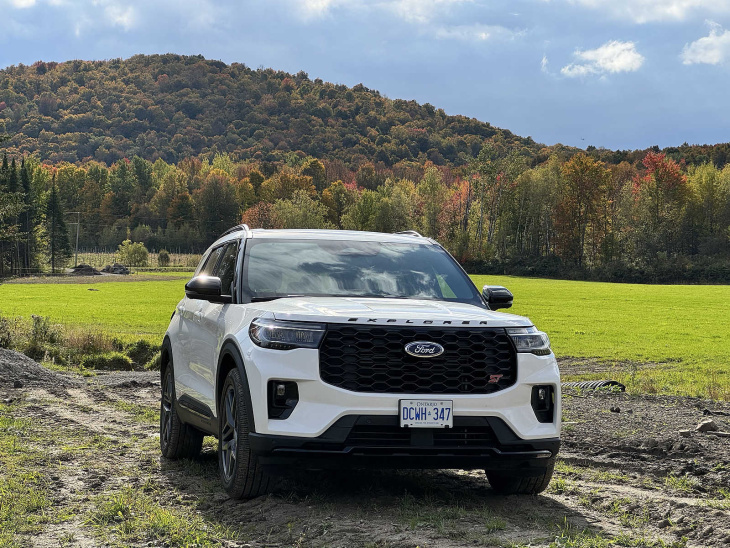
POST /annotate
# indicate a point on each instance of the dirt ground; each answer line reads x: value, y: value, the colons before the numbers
x: 626, y: 477
x: 102, y: 278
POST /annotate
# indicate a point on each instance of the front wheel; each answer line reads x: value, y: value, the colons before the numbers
x: 505, y: 483
x: 240, y: 471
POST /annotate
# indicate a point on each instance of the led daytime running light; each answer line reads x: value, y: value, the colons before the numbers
x: 283, y: 335
x: 528, y: 340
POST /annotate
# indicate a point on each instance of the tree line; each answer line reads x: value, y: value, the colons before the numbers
x: 655, y: 219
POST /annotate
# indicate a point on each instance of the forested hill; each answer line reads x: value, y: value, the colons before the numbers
x: 172, y: 107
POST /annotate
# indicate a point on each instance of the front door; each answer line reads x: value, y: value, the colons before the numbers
x: 212, y: 329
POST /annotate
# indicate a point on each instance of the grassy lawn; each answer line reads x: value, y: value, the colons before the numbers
x: 129, y: 310
x: 684, y: 329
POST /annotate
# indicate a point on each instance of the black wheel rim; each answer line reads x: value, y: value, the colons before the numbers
x: 229, y: 434
x: 166, y: 410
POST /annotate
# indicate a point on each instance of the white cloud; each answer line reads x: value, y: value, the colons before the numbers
x: 544, y: 64
x: 312, y: 9
x: 474, y: 33
x: 418, y: 11
x: 611, y: 57
x: 413, y: 11
x: 645, y: 11
x: 120, y: 16
x: 711, y: 50
x: 22, y: 3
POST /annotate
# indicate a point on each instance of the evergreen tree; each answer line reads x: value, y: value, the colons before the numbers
x: 26, y: 218
x: 13, y: 177
x: 12, y: 180
x: 4, y: 173
x: 59, y: 248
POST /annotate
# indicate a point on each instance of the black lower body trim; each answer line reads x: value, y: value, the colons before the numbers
x: 379, y: 442
x: 196, y: 414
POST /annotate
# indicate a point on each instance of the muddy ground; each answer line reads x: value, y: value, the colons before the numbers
x: 626, y: 477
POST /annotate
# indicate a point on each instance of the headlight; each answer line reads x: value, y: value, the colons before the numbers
x: 530, y: 340
x: 281, y: 335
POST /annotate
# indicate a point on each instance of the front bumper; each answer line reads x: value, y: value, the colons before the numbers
x: 377, y: 441
x: 322, y: 405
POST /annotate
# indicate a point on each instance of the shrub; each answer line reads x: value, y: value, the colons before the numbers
x: 88, y: 342
x: 133, y: 254
x: 163, y: 258
x: 154, y: 363
x: 118, y: 345
x: 141, y: 351
x: 43, y: 331
x: 109, y: 361
x: 6, y: 335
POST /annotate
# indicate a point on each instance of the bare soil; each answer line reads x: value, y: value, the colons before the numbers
x: 625, y: 478
x: 101, y: 278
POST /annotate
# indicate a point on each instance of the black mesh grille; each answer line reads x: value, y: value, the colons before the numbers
x: 395, y: 436
x: 378, y: 436
x: 366, y: 358
x: 464, y: 436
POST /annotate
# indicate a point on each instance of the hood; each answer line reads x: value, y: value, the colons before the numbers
x: 383, y: 311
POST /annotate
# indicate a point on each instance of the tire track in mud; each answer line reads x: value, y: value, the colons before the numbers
x: 611, y: 481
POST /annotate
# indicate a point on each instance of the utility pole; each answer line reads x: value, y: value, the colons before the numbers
x: 78, y: 227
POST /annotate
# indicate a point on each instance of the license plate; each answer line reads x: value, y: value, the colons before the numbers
x: 426, y: 413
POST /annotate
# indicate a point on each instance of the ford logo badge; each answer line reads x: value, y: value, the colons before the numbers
x: 424, y: 349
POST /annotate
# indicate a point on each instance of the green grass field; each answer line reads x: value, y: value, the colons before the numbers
x: 128, y: 310
x: 660, y: 339
x: 684, y: 328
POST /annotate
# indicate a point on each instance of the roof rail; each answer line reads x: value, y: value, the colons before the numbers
x: 410, y: 233
x: 236, y: 228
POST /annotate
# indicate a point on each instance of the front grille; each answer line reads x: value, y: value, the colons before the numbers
x: 464, y: 436
x: 378, y: 436
x: 386, y: 432
x: 395, y: 436
x: 366, y: 358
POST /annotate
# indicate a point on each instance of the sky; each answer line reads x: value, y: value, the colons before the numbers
x: 620, y: 74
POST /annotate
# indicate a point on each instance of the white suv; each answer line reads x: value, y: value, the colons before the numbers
x: 325, y: 348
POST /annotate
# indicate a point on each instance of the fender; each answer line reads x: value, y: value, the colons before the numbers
x: 230, y: 353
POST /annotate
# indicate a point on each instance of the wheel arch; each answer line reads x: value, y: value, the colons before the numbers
x: 230, y: 358
x: 165, y: 356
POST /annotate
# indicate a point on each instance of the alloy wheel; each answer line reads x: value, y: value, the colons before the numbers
x: 229, y: 433
x: 166, y: 410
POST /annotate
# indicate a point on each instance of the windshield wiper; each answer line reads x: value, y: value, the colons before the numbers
x: 272, y: 298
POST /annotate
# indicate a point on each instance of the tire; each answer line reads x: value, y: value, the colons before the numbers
x: 177, y: 439
x: 504, y: 483
x: 242, y: 475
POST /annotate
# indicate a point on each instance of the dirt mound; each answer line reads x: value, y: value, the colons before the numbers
x: 17, y: 368
x: 85, y: 270
x: 115, y: 268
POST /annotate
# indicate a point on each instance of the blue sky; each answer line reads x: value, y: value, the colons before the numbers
x: 621, y: 74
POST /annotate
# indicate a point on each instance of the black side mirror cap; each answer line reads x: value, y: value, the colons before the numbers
x: 207, y: 288
x: 497, y: 296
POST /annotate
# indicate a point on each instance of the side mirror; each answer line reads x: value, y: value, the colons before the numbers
x: 207, y: 288
x: 497, y: 296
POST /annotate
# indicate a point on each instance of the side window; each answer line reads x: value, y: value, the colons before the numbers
x: 207, y: 269
x: 227, y: 268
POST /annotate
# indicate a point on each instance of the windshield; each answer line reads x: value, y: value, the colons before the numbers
x: 319, y: 268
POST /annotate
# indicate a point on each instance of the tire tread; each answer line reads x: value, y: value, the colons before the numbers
x: 185, y: 440
x: 250, y: 479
